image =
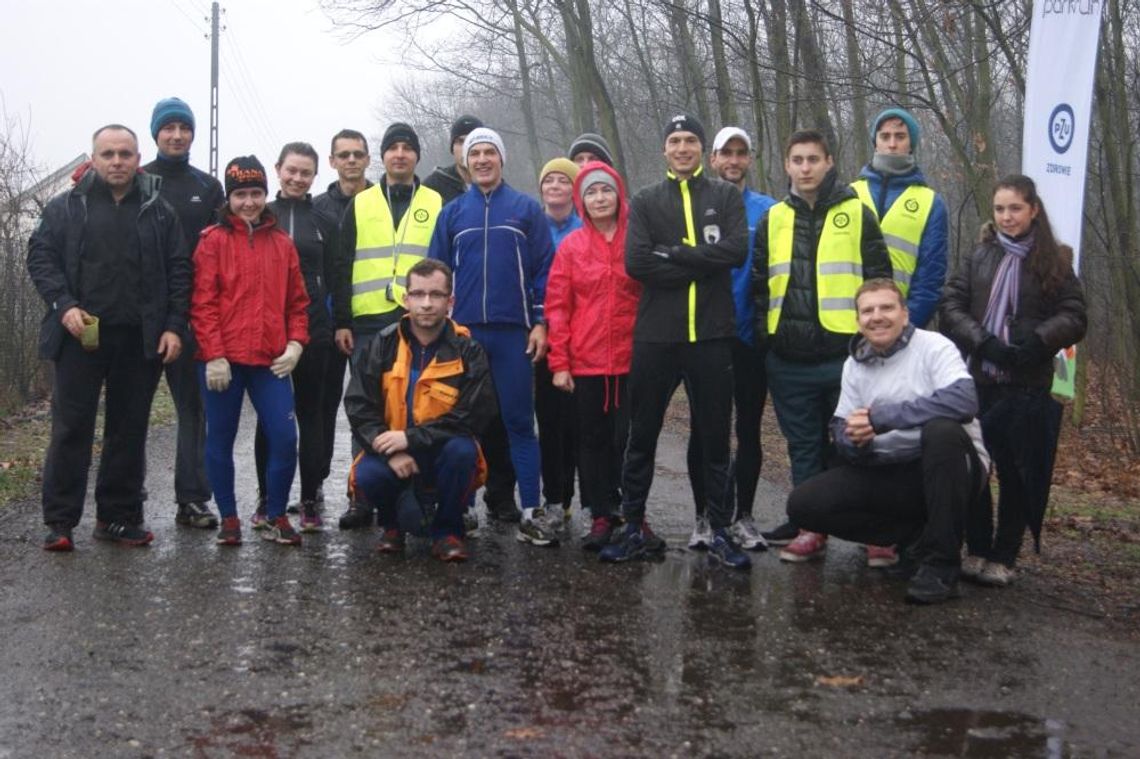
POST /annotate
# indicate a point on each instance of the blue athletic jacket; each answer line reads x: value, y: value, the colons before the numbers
x: 933, y: 250
x: 499, y: 247
x: 755, y: 206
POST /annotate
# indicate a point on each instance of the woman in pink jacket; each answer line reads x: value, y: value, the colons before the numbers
x: 590, y: 308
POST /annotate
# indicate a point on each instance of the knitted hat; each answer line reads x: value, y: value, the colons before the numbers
x: 168, y: 110
x: 245, y: 171
x: 400, y: 132
x: 588, y: 142
x: 463, y: 126
x: 483, y: 134
x: 730, y: 133
x: 685, y: 123
x: 559, y: 166
x: 596, y: 176
x: 905, y: 117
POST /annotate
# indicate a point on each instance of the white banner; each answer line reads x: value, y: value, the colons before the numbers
x: 1058, y: 108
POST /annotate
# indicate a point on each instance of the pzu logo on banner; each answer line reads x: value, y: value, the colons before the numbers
x: 1062, y: 125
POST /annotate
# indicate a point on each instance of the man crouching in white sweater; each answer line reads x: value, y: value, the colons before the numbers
x: 914, y: 457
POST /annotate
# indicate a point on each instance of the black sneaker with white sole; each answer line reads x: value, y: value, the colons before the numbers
x: 195, y: 514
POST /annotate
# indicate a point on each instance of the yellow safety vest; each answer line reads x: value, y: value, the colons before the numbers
x: 385, y: 254
x: 838, y: 264
x: 902, y: 226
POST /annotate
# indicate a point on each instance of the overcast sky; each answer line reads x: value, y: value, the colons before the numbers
x: 68, y: 67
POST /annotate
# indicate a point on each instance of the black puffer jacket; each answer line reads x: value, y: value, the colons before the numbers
x: 656, y: 255
x: 446, y: 181
x: 800, y: 336
x: 314, y: 235
x: 55, y: 255
x: 1059, y: 318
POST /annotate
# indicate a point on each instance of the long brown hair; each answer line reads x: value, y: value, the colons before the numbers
x: 1050, y: 261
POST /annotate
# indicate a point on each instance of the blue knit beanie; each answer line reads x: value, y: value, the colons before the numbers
x: 906, y: 118
x: 168, y: 110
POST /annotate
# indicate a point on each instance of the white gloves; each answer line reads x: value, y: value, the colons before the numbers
x: 284, y: 364
x: 217, y: 374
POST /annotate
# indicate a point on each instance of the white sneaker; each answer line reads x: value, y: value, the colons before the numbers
x: 701, y: 539
x: 972, y: 567
x: 996, y: 574
x: 747, y: 534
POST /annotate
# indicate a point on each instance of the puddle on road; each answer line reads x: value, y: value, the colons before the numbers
x: 985, y: 734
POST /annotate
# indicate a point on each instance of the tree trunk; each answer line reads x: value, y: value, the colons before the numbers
x: 858, y: 91
x: 527, y: 103
x: 724, y: 95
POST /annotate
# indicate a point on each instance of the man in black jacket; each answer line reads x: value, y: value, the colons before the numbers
x: 196, y: 196
x: 813, y: 251
x: 419, y: 395
x: 109, y: 259
x: 685, y: 235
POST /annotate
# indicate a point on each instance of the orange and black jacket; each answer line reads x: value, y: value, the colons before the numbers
x: 453, y: 394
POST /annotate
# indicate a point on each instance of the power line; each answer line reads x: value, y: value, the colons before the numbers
x: 196, y: 23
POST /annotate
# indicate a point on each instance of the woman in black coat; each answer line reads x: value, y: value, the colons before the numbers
x: 1012, y: 305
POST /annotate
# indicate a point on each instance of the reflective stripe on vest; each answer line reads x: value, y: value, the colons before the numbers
x: 902, y: 226
x: 383, y: 254
x: 838, y: 268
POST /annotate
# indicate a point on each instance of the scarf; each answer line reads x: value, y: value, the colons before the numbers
x: 1005, y: 293
x: 890, y: 165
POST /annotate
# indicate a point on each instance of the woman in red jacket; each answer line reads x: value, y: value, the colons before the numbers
x: 248, y: 313
x: 590, y: 308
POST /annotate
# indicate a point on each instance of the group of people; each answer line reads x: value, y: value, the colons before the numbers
x: 464, y: 309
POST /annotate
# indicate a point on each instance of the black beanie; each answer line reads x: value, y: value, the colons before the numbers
x: 685, y: 123
x: 463, y: 126
x: 588, y: 142
x: 400, y: 132
x: 245, y: 171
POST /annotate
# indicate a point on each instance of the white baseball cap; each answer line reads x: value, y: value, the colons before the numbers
x: 728, y: 133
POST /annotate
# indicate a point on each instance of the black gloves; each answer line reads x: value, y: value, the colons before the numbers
x: 998, y: 353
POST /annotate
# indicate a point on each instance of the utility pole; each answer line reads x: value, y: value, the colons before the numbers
x: 214, y: 31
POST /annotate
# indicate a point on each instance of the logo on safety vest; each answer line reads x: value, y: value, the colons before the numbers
x: 842, y: 220
x: 421, y: 215
x: 712, y: 234
x: 911, y: 205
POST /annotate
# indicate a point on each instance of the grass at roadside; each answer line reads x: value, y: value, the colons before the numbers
x: 24, y: 439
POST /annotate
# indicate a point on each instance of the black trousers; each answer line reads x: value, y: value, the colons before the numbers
x: 921, y: 504
x: 130, y: 380
x: 602, y: 403
x: 1014, y: 420
x: 749, y: 391
x: 557, y: 436
x: 334, y: 392
x: 190, y: 480
x: 706, y: 369
x: 310, y: 406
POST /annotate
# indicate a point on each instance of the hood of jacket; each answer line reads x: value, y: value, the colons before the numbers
x: 580, y: 205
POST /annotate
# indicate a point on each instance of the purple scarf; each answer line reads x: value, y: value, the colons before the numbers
x: 1005, y: 292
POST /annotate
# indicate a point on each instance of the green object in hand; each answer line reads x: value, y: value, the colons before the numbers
x: 89, y: 338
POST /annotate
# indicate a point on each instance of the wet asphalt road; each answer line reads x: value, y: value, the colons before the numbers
x: 188, y: 649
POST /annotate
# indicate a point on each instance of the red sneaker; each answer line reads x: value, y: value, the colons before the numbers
x: 806, y: 546
x: 449, y: 548
x: 881, y: 557
x: 392, y: 541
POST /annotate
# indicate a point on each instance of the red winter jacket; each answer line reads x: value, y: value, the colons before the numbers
x: 249, y: 296
x: 591, y: 303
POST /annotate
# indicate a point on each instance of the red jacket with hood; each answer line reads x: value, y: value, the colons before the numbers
x: 249, y: 297
x: 591, y: 303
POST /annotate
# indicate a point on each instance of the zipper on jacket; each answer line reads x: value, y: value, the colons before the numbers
x: 486, y: 230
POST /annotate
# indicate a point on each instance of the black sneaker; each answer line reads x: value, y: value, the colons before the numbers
x: 195, y: 514
x: 538, y: 530
x: 637, y: 542
x: 724, y: 551
x: 503, y: 511
x: 781, y: 535
x: 932, y: 585
x: 58, y: 539
x: 356, y: 517
x: 392, y: 541
x: 122, y: 532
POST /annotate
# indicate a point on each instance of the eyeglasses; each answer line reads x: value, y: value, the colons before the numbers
x: 344, y: 155
x: 436, y: 295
